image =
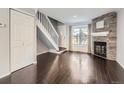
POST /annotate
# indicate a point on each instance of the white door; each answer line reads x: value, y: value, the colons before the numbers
x: 22, y: 43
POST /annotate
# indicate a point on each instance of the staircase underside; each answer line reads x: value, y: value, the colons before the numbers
x: 44, y: 39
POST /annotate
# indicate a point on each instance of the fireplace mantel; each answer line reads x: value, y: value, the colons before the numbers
x: 100, y: 33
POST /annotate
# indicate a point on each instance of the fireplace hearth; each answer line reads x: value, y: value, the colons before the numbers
x: 100, y: 49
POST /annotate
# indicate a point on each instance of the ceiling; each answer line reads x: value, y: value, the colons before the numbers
x: 28, y: 10
x: 76, y: 16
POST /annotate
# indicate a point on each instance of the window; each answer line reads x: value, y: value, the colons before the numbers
x: 80, y: 35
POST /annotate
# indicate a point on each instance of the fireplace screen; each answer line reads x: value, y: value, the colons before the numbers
x: 100, y: 48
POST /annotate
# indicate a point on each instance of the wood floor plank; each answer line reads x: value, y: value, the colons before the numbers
x: 68, y: 68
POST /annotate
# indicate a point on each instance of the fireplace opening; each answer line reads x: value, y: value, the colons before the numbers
x: 100, y: 48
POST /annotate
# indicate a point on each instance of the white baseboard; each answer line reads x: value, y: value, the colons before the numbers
x: 35, y: 62
x: 52, y: 51
x: 42, y: 52
x: 4, y: 75
x: 120, y: 64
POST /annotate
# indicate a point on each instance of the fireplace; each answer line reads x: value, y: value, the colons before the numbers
x: 100, y: 49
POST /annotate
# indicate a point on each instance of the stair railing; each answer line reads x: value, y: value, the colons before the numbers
x: 44, y: 20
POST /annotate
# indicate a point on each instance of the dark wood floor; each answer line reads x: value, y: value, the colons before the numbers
x: 68, y: 68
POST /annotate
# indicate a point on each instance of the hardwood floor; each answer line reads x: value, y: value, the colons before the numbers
x: 68, y: 68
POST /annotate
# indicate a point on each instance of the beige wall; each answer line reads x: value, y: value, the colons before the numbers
x: 4, y: 42
x: 41, y: 48
x: 120, y: 37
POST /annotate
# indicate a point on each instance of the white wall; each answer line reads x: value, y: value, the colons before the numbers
x: 41, y: 48
x: 63, y: 31
x: 4, y: 42
x: 61, y: 28
x: 120, y: 37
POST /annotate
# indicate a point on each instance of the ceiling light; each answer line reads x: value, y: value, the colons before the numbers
x: 75, y: 16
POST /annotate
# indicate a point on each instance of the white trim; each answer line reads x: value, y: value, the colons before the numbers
x: 42, y: 53
x: 22, y: 11
x: 120, y: 64
x: 5, y: 75
x: 52, y: 26
x: 100, y: 33
x: 34, y: 62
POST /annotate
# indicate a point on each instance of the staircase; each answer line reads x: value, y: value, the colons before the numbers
x: 47, y: 32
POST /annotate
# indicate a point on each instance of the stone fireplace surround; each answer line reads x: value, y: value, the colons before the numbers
x: 110, y: 39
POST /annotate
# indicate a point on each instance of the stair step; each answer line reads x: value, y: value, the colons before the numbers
x: 61, y: 50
